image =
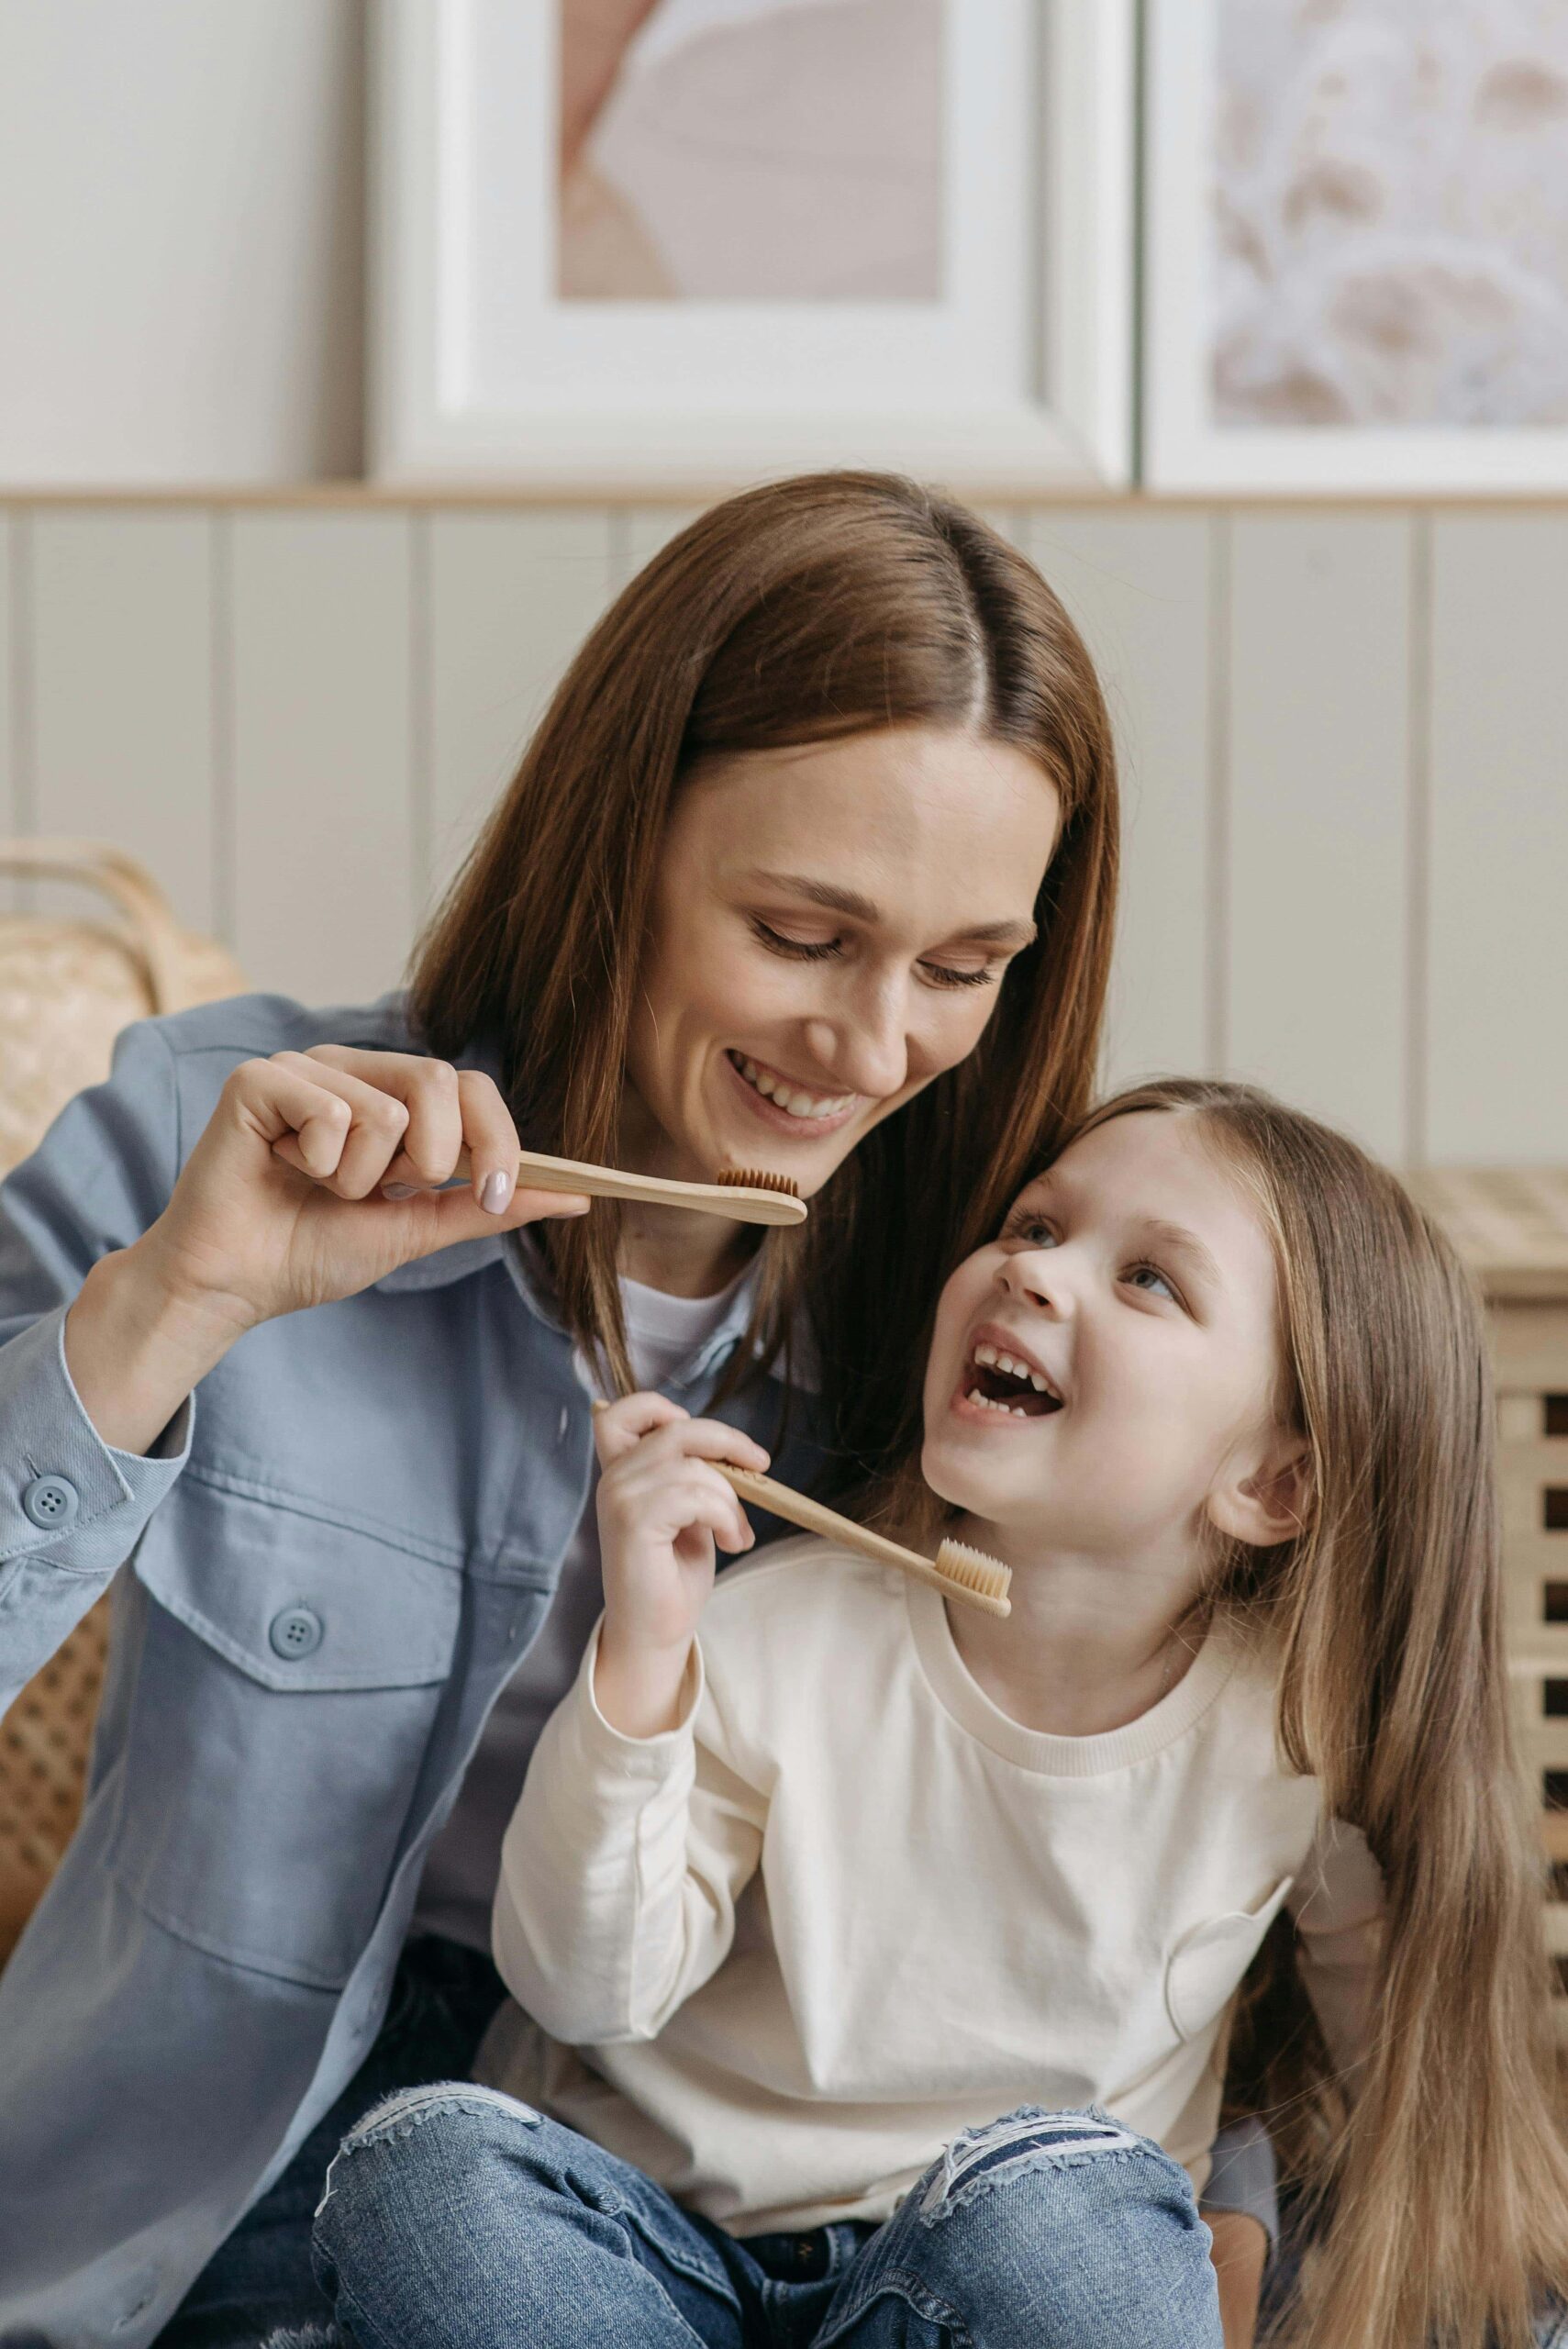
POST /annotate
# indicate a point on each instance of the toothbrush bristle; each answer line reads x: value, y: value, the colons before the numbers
x: 750, y: 1178
x: 972, y: 1570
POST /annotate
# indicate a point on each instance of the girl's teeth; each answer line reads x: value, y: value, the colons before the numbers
x: 1037, y: 1382
x: 985, y: 1356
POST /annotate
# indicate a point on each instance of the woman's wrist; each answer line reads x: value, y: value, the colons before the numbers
x: 135, y: 1348
x: 636, y: 1688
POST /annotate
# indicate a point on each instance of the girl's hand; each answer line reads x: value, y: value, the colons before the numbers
x: 661, y: 1510
x: 283, y: 1202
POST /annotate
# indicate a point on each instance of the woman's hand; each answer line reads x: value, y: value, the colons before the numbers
x: 317, y: 1175
x: 287, y: 1200
x: 661, y: 1510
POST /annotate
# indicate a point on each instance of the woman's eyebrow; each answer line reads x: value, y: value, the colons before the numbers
x: 836, y: 900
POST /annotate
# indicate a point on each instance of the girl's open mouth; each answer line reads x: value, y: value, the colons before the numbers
x: 998, y: 1381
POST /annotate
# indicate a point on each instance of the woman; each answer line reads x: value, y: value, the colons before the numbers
x: 810, y: 866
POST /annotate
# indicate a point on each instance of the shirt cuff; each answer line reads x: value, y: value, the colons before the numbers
x: 1243, y: 2176
x: 48, y: 1434
x: 650, y: 1757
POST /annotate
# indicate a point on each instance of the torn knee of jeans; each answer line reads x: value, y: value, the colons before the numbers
x: 982, y: 2160
x: 402, y: 2112
x: 406, y: 2109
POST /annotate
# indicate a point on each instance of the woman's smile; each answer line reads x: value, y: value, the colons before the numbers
x: 786, y: 1104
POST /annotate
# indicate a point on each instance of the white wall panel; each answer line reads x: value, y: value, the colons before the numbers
x: 512, y: 596
x: 122, y: 719
x: 1137, y: 586
x: 324, y: 885
x: 1318, y: 770
x: 1498, y: 953
x: 1346, y: 769
x: 10, y: 818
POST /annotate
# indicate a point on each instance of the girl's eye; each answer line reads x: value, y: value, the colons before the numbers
x: 1031, y: 1229
x: 1150, y: 1277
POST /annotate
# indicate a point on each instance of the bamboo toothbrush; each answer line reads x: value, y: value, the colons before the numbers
x: 746, y: 1196
x: 958, y: 1571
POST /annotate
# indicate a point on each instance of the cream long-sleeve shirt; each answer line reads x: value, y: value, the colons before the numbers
x: 781, y: 1954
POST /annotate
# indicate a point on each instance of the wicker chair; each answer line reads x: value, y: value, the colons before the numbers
x: 66, y: 990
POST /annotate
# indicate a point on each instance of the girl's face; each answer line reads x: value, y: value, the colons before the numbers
x: 830, y: 925
x: 1133, y: 1289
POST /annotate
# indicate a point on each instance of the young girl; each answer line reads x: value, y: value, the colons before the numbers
x: 800, y: 1907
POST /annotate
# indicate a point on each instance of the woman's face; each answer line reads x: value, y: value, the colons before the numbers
x: 829, y: 930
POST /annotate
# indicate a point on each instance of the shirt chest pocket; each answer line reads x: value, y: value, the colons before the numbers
x: 1208, y: 1960
x: 286, y: 1675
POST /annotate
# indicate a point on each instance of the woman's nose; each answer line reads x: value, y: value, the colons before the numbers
x: 868, y: 1048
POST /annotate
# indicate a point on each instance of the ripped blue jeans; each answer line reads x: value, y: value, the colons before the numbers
x: 458, y: 2217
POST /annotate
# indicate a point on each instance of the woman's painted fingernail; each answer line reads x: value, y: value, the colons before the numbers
x: 496, y: 1191
x: 398, y: 1190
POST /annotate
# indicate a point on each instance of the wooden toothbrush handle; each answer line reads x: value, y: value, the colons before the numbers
x: 536, y: 1171
x: 813, y: 1518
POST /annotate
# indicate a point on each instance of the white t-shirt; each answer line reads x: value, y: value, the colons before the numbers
x: 458, y: 1888
x: 780, y: 1955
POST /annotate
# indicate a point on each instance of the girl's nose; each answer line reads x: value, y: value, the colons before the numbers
x: 1037, y: 1277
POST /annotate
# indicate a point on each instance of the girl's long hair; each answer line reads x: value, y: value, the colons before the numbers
x: 806, y: 610
x: 1435, y: 2174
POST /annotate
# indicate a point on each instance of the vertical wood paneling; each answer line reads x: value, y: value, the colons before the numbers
x: 324, y: 880
x: 1346, y: 827
x: 21, y: 896
x: 512, y: 596
x: 9, y: 819
x: 122, y: 708
x: 1497, y: 949
x: 1318, y: 766
x: 1138, y: 585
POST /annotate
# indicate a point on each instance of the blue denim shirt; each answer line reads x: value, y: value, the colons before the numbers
x: 347, y: 1538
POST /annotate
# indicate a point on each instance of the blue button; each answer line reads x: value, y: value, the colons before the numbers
x: 52, y: 1501
x: 295, y: 1631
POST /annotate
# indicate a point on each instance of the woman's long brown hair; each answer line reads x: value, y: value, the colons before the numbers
x: 1435, y: 2174
x: 808, y: 609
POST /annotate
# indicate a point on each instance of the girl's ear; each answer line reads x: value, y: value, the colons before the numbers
x: 1269, y: 1503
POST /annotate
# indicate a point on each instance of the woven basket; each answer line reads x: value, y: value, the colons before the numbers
x: 68, y: 987
x: 66, y: 990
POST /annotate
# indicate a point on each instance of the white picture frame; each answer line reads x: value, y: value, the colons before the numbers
x: 1184, y: 448
x: 472, y: 379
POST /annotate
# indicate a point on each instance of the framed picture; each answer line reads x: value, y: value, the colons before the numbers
x: 670, y: 244
x: 1356, y: 246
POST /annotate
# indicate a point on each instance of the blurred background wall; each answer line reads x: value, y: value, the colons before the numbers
x: 181, y: 240
x: 1345, y: 726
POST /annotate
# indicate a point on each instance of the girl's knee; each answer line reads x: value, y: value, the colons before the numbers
x: 420, y: 2149
x: 1033, y: 2154
x: 1047, y: 2228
